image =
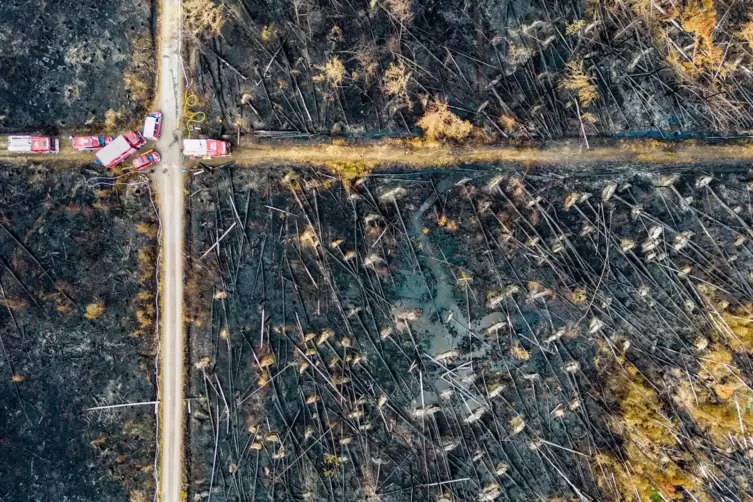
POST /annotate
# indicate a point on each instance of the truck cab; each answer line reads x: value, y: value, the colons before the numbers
x: 33, y: 144
x: 85, y: 143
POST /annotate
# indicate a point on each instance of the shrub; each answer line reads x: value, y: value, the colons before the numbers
x: 578, y: 81
x: 112, y: 120
x: 508, y: 123
x: 332, y: 72
x: 396, y: 79
x: 439, y: 123
x: 746, y: 33
x: 95, y: 310
x: 148, y: 229
x: 203, y: 18
x: 402, y: 10
x: 14, y: 303
x: 700, y: 20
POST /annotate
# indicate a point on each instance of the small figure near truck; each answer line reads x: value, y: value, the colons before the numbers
x: 120, y: 149
x: 33, y: 144
x: 205, y: 148
x: 85, y: 143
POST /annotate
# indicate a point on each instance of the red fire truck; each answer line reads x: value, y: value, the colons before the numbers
x: 33, y: 144
x: 145, y: 160
x: 205, y: 148
x: 120, y: 149
x: 90, y: 142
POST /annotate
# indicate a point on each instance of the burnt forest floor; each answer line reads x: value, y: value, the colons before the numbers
x: 83, y: 66
x: 77, y: 314
x: 535, y: 69
x: 482, y: 333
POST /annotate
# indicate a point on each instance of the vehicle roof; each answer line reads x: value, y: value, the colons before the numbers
x: 146, y: 158
x: 111, y: 152
x: 29, y: 143
x: 19, y: 140
x: 132, y: 136
x: 150, y: 125
x: 203, y: 146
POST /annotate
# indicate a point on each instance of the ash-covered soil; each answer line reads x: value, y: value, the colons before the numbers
x: 75, y: 65
x: 543, y: 69
x: 487, y: 333
x: 76, y: 325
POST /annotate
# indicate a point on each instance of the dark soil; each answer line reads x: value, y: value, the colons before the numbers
x: 63, y: 63
x: 505, y: 282
x: 502, y: 65
x: 62, y: 248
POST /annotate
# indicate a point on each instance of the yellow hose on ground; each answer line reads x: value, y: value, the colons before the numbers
x: 190, y: 100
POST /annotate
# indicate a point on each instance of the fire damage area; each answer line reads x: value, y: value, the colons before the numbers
x: 75, y: 66
x: 538, y: 69
x: 486, y: 333
x: 77, y: 314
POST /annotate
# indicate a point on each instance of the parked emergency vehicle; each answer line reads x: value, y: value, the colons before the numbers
x: 120, y: 149
x: 206, y: 148
x: 33, y: 144
x: 153, y: 125
x: 90, y: 142
x: 145, y: 160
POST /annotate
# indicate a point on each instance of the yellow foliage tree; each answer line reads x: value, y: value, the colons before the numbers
x: 508, y: 123
x: 333, y: 72
x: 402, y: 10
x: 396, y: 79
x: 439, y: 123
x: 746, y: 33
x: 722, y: 405
x: 650, y: 436
x: 579, y: 82
x: 203, y: 18
x: 575, y: 26
x: 95, y: 310
x: 699, y: 19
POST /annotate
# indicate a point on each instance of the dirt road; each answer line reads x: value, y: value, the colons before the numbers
x: 169, y: 182
x: 359, y: 157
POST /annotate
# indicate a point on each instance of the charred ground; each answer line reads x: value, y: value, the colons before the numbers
x: 477, y: 334
x: 77, y: 311
x: 543, y: 69
x: 80, y: 65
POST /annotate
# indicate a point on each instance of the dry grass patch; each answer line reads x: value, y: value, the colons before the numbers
x: 439, y: 123
x: 203, y: 18
x: 95, y: 309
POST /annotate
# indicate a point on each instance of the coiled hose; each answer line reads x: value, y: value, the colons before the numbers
x: 190, y: 100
